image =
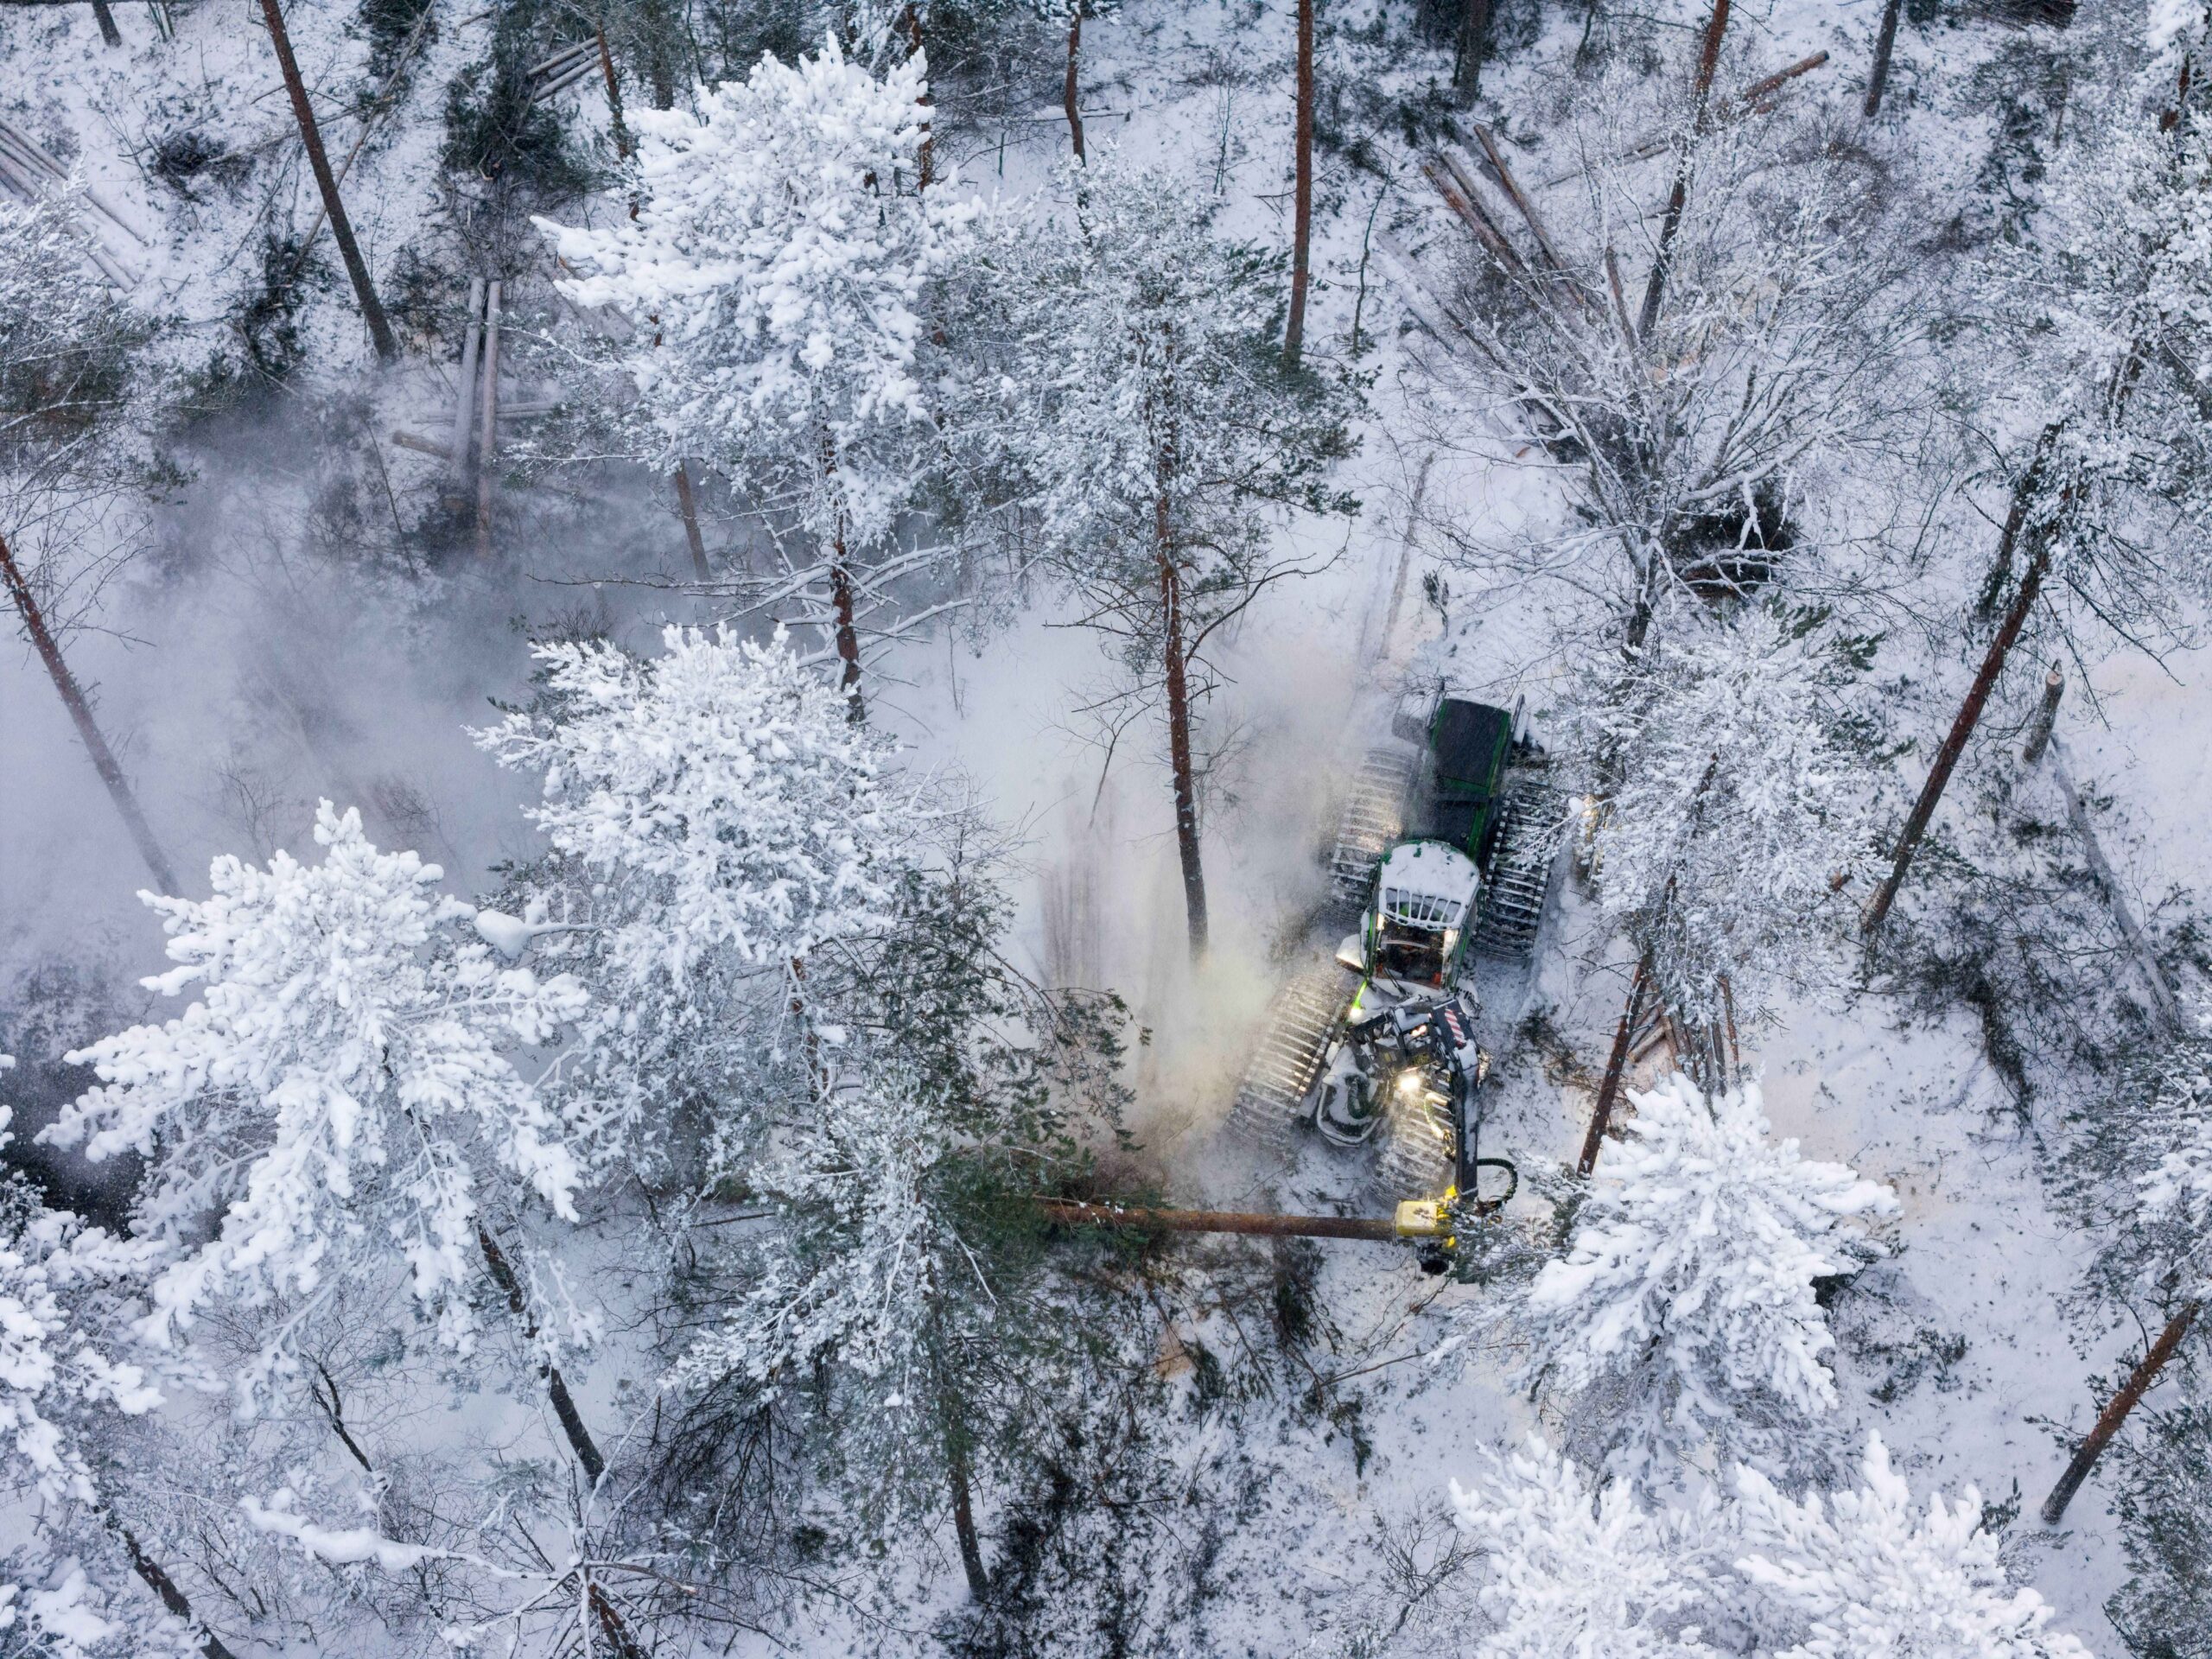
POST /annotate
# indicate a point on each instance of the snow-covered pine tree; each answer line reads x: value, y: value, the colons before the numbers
x: 2104, y: 334
x: 1866, y: 1571
x: 1741, y: 796
x: 717, y: 825
x: 2163, y: 1501
x: 63, y: 1289
x: 776, y: 273
x: 1683, y: 1311
x: 902, y: 1293
x: 342, y: 1092
x: 1158, y: 439
x: 1565, y: 1569
x: 1733, y: 438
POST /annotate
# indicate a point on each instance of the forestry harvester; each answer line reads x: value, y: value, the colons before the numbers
x: 1446, y: 847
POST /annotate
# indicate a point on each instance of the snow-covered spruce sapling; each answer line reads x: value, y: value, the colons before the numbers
x: 717, y: 826
x: 1683, y: 1313
x: 1741, y: 798
x: 1564, y: 1569
x: 342, y: 1092
x: 1159, y: 443
x: 777, y: 272
x: 1867, y: 1571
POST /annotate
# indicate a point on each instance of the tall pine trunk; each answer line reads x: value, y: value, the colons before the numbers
x: 1467, y: 60
x: 1301, y: 245
x: 963, y: 1517
x: 557, y: 1386
x: 341, y: 228
x: 73, y: 698
x: 1969, y: 716
x: 1708, y: 60
x: 1070, y: 90
x: 1877, y: 78
x: 1601, y: 1114
x: 2115, y: 1413
x: 1176, y: 662
x: 848, y: 638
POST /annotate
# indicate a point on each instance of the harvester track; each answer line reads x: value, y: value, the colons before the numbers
x: 1300, y: 1023
x: 1374, y: 817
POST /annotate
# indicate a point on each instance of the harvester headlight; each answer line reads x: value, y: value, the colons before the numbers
x: 1409, y: 1081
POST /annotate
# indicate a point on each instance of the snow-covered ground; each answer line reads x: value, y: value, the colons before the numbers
x: 239, y: 690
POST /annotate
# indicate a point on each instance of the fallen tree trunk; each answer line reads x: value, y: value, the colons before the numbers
x: 1075, y: 1211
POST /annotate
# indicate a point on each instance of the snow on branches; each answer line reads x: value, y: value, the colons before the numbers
x: 1865, y: 1570
x: 859, y: 1273
x: 1686, y: 1294
x: 775, y: 271
x: 1743, y: 799
x: 1846, y: 1575
x: 50, y: 1368
x: 1145, y: 406
x: 338, y: 1090
x: 716, y: 820
x: 1565, y: 1570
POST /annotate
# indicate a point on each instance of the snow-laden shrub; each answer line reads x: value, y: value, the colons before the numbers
x: 341, y: 1091
x: 1685, y: 1295
x: 1866, y: 1571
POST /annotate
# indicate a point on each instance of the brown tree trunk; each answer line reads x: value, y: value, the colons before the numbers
x: 1708, y: 60
x: 612, y: 1626
x: 1467, y: 61
x: 1179, y: 745
x: 2113, y: 1415
x: 849, y: 638
x: 1301, y: 235
x: 2054, y: 687
x: 1947, y: 758
x: 689, y: 504
x: 73, y: 698
x: 1073, y: 87
x: 1885, y: 43
x: 1601, y: 1114
x: 614, y: 96
x: 1375, y: 1228
x: 174, y: 1600
x: 556, y: 1387
x: 110, y: 34
x: 925, y: 162
x: 341, y: 228
x: 488, y: 438
x: 963, y: 1518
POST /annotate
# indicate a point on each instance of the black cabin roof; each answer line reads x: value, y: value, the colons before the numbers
x: 1469, y: 739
